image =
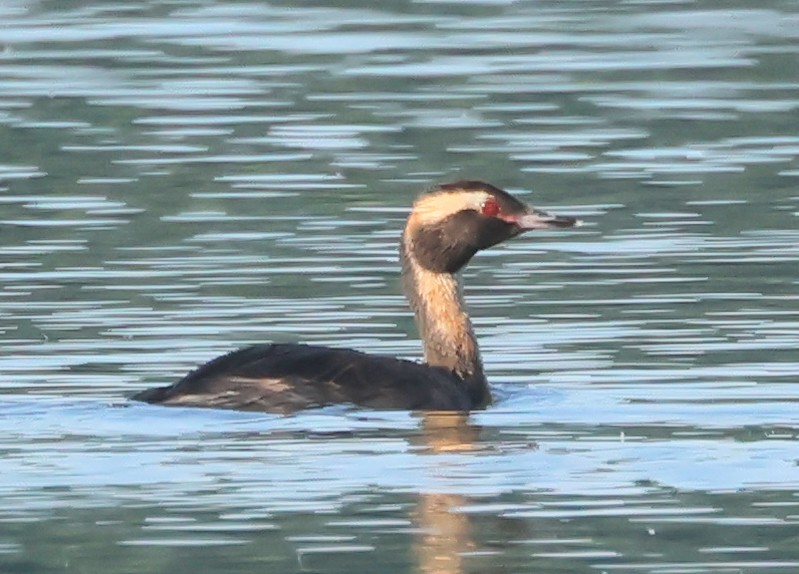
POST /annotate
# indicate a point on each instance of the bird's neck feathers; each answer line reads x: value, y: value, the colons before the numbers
x: 444, y: 325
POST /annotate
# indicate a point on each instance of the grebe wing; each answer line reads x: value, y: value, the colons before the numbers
x: 284, y: 378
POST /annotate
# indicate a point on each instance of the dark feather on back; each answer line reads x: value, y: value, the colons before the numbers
x: 284, y: 378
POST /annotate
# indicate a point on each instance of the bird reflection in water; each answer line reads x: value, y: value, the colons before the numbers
x: 443, y: 533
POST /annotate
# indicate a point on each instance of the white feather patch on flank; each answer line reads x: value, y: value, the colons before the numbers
x: 437, y: 206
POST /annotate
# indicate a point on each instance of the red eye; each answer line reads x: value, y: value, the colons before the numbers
x: 490, y: 207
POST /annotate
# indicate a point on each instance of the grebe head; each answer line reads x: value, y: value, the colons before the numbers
x: 448, y: 225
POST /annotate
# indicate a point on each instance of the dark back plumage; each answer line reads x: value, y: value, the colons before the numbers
x: 284, y: 378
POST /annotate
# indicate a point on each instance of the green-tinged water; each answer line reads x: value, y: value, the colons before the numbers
x: 181, y: 178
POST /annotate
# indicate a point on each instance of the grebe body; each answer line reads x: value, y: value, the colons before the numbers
x: 446, y: 227
x: 284, y: 378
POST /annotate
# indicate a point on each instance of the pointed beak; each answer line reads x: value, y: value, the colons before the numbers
x: 535, y: 219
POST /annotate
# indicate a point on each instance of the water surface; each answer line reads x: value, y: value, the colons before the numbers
x: 183, y: 178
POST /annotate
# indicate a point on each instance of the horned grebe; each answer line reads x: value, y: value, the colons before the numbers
x: 446, y: 227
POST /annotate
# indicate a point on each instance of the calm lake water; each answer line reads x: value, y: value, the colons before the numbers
x: 180, y: 178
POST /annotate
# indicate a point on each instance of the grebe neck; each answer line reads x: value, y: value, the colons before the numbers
x: 444, y: 325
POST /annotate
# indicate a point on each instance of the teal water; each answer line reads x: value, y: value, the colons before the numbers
x: 182, y: 178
